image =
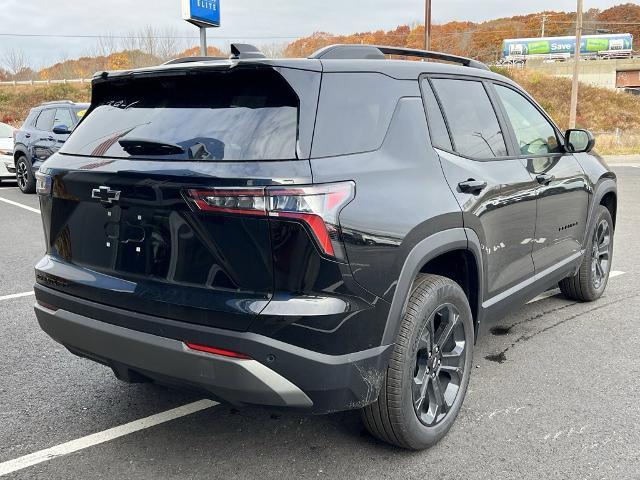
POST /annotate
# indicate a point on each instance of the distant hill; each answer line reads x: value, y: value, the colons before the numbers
x: 484, y: 40
x: 86, y: 66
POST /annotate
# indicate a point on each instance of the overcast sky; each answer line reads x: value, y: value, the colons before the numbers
x: 241, y: 19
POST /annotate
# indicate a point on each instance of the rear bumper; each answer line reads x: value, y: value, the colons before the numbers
x: 278, y: 375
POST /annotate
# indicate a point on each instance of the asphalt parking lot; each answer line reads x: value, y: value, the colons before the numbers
x: 555, y: 393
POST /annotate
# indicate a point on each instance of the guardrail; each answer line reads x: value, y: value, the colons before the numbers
x: 15, y: 83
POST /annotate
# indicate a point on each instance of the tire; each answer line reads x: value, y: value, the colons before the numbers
x: 24, y: 175
x: 398, y: 416
x: 591, y: 280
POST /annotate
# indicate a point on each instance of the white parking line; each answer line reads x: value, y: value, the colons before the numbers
x: 618, y: 165
x: 16, y: 204
x: 104, y: 436
x: 16, y: 295
x: 556, y: 291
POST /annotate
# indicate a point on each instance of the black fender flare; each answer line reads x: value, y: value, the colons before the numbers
x: 605, y: 185
x: 424, y: 251
x: 19, y: 150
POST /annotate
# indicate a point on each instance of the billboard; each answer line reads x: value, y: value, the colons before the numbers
x: 203, y: 13
x: 590, y: 44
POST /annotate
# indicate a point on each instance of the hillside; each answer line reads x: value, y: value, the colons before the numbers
x: 483, y: 40
x: 84, y: 67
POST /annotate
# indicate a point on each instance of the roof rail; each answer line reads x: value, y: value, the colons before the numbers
x: 57, y: 101
x: 375, y: 52
x: 192, y: 59
x: 241, y: 51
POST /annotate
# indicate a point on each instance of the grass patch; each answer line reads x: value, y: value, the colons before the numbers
x: 15, y: 102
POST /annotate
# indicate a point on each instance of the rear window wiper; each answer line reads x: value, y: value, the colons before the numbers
x: 142, y: 146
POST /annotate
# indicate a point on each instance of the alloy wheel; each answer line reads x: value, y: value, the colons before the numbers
x: 600, y: 253
x: 439, y: 368
x: 22, y: 175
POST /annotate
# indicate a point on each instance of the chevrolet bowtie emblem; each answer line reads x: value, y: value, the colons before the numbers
x: 105, y: 194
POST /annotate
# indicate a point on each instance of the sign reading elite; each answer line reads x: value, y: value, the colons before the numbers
x: 203, y: 13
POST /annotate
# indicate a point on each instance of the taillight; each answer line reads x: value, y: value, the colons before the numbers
x: 246, y: 201
x: 317, y: 206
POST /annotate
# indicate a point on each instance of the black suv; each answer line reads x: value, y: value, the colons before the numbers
x: 44, y: 131
x: 321, y: 234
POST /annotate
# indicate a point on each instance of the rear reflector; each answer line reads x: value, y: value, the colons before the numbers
x: 317, y: 206
x: 217, y: 351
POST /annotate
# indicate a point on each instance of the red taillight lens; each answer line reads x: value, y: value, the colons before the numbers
x: 318, y: 206
x: 217, y: 351
x: 247, y: 201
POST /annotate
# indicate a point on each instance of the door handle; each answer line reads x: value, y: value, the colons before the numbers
x: 28, y: 135
x: 544, y: 179
x: 472, y: 186
x: 51, y: 139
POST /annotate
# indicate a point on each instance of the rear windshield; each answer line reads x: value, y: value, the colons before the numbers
x: 242, y: 114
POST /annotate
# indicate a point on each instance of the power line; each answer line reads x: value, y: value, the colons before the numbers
x: 267, y: 37
x: 135, y: 37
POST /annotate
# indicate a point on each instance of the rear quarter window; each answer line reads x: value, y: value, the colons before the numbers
x: 354, y: 113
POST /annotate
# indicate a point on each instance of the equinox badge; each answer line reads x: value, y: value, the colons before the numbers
x: 105, y: 194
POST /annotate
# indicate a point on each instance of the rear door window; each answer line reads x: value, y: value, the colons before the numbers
x: 63, y: 118
x: 243, y: 114
x: 437, y: 127
x: 472, y: 121
x: 45, y: 120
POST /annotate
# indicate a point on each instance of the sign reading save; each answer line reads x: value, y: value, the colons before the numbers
x: 203, y: 13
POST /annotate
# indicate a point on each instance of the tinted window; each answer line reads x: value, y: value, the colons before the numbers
x: 535, y: 135
x: 63, y: 117
x: 472, y: 121
x: 354, y: 113
x: 437, y: 127
x: 45, y: 120
x: 244, y: 114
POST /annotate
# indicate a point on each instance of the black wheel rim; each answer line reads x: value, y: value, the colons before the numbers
x: 440, y: 361
x: 600, y: 254
x: 22, y: 175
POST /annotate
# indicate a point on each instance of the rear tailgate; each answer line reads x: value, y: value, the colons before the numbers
x: 120, y: 229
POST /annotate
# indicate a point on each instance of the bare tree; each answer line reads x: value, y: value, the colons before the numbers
x: 15, y: 61
x: 106, y: 45
x: 168, y: 44
x: 274, y: 50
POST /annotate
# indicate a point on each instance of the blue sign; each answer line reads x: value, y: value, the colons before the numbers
x: 203, y: 13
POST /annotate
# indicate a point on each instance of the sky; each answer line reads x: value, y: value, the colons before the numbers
x: 274, y: 21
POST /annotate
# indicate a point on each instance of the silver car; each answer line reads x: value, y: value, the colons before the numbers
x: 7, y: 167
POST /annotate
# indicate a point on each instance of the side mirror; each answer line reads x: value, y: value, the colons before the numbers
x: 61, y: 130
x: 579, y: 141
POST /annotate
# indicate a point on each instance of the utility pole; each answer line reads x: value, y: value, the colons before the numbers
x: 203, y: 41
x: 427, y: 25
x: 576, y: 68
x: 544, y: 24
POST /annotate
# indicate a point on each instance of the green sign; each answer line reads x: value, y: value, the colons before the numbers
x: 597, y: 44
x: 539, y: 48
